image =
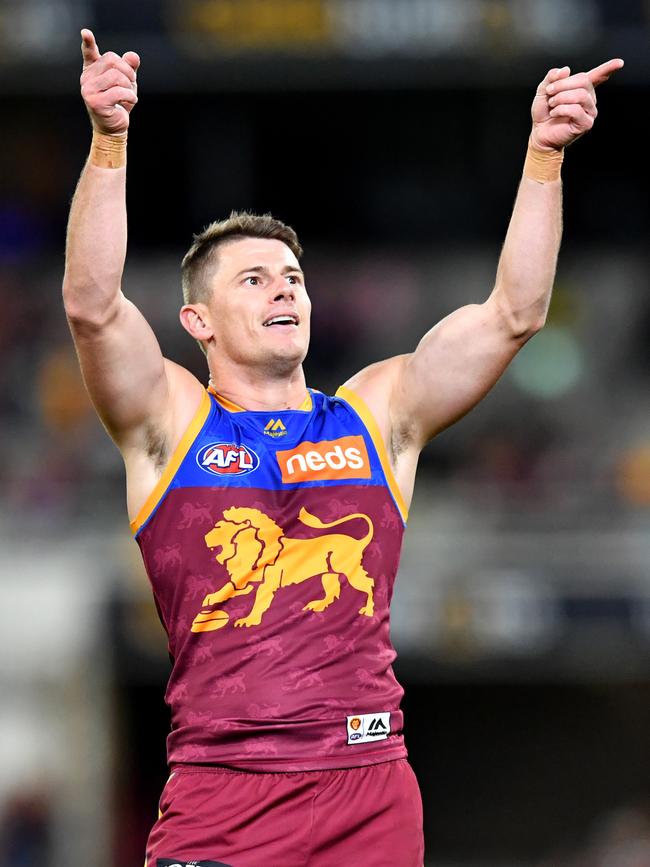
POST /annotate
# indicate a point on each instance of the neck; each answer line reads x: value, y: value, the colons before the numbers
x: 258, y: 392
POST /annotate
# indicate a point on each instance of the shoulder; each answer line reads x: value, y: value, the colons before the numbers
x: 380, y: 387
x: 376, y: 385
x: 148, y: 458
x: 184, y: 387
x: 160, y: 433
x: 187, y: 395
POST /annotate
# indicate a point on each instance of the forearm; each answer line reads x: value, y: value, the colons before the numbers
x: 96, y: 241
x: 529, y: 257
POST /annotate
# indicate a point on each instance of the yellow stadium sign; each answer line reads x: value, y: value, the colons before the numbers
x: 267, y: 24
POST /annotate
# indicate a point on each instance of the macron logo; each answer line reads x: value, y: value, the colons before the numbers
x: 275, y: 428
x: 366, y: 727
x: 344, y: 458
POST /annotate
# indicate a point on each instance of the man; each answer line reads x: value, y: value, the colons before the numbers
x: 270, y: 516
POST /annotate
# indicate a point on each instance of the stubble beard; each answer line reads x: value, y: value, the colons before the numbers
x: 282, y: 365
x: 267, y: 361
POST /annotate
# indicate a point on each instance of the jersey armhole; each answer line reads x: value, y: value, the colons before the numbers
x: 361, y: 409
x: 173, y: 464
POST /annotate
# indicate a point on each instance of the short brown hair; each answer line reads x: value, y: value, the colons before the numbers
x: 195, y: 267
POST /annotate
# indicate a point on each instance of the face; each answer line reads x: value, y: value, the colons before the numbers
x: 259, y: 310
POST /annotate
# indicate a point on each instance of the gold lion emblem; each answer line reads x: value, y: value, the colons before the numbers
x: 259, y: 557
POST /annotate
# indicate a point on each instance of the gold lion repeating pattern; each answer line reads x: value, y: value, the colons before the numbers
x: 260, y: 559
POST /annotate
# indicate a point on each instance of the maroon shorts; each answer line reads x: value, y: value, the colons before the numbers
x: 370, y: 816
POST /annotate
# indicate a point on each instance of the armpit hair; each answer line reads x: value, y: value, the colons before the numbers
x: 401, y: 439
x: 156, y: 446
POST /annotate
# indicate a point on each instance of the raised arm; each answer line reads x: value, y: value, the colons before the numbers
x: 133, y: 388
x: 415, y: 396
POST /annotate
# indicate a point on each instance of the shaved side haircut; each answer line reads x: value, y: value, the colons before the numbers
x: 201, y: 259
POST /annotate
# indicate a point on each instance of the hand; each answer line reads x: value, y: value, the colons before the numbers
x: 564, y: 107
x: 108, y: 86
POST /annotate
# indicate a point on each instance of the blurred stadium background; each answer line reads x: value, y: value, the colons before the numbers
x: 391, y: 134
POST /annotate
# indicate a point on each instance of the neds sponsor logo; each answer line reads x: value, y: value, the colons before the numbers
x: 344, y: 458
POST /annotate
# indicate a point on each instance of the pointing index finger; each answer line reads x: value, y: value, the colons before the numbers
x: 89, y: 49
x: 601, y: 73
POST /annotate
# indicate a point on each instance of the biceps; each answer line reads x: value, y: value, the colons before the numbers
x: 123, y: 369
x: 454, y: 366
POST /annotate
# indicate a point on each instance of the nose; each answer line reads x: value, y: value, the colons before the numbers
x: 284, y: 292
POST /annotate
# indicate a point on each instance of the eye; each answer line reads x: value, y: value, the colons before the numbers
x: 293, y: 279
x: 252, y: 280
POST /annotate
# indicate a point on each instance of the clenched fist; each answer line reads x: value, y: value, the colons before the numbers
x: 108, y: 85
x: 564, y: 107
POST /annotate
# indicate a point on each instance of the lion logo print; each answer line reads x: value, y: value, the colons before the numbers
x: 168, y: 556
x: 191, y: 514
x: 260, y: 560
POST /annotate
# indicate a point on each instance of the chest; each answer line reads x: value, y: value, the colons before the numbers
x: 279, y: 451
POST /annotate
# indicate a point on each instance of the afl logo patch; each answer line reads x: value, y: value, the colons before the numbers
x: 227, y: 459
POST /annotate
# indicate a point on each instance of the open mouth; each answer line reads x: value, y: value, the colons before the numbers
x: 284, y: 319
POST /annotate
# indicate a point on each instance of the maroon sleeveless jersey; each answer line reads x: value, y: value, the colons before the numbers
x: 272, y: 542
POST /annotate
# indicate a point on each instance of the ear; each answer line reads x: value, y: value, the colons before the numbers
x: 195, y: 319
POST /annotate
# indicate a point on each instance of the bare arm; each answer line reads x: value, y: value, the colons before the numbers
x: 129, y: 382
x: 459, y: 360
x: 415, y: 396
